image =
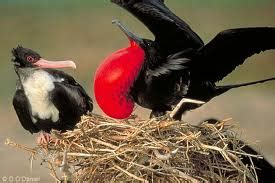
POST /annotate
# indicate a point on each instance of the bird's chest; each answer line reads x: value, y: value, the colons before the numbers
x: 159, y: 92
x: 37, y: 88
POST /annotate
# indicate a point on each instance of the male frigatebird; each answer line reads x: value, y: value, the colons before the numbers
x: 158, y: 74
x: 46, y: 98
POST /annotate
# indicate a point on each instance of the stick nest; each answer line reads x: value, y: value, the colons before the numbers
x: 101, y: 149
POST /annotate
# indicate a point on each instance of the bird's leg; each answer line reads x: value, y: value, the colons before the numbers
x: 43, y: 138
x: 184, y: 105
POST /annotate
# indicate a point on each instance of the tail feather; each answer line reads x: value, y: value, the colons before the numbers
x: 223, y: 89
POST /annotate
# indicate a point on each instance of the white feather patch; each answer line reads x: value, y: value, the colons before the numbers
x: 37, y: 88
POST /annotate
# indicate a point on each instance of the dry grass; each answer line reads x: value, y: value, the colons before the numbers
x: 104, y: 149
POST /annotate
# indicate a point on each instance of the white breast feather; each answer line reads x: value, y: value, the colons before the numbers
x: 37, y: 88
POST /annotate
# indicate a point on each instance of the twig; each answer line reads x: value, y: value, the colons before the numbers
x: 224, y: 154
x: 64, y: 167
x: 129, y: 174
x: 81, y: 155
x: 13, y: 144
x: 103, y: 143
x: 140, y: 150
x: 53, y: 173
x: 177, y: 172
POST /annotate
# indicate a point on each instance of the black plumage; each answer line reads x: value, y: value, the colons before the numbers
x: 178, y: 64
x: 264, y: 170
x: 46, y: 98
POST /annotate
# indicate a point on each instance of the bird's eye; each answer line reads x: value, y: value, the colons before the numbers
x: 30, y: 59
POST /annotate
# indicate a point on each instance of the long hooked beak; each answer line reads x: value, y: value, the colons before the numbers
x: 131, y: 36
x: 42, y: 63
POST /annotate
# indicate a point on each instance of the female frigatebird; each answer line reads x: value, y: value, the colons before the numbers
x: 158, y: 74
x: 46, y: 98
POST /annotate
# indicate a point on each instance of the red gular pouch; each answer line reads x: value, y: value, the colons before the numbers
x: 114, y: 79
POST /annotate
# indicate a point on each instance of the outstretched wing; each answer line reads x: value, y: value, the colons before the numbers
x: 229, y: 49
x: 22, y: 110
x: 171, y: 33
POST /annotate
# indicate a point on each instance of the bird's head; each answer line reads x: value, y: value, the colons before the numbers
x: 27, y: 58
x: 115, y: 77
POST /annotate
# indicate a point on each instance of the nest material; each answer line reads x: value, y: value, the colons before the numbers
x: 101, y: 149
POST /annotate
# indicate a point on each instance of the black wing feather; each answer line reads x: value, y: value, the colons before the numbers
x: 23, y: 112
x: 70, y: 82
x: 71, y: 104
x: 229, y: 49
x: 70, y: 91
x: 172, y: 34
x: 70, y: 98
x: 170, y: 67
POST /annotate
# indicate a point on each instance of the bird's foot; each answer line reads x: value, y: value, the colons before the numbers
x: 45, y: 138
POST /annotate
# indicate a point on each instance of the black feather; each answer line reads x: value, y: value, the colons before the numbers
x: 22, y: 108
x: 229, y: 49
x: 177, y: 64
